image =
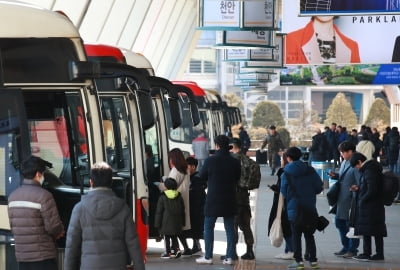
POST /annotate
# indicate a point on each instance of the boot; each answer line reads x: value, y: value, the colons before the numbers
x: 196, y: 247
x: 249, y: 255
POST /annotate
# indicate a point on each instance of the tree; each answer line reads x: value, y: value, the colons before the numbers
x: 378, y: 115
x: 233, y: 100
x: 267, y: 113
x: 341, y: 112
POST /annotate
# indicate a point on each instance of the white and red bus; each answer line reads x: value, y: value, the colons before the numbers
x: 51, y: 107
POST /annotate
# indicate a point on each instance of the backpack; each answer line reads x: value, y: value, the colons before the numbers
x: 250, y: 176
x: 390, y: 183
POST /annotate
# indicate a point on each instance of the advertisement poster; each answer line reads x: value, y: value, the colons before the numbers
x: 317, y: 40
x: 341, y: 75
x: 349, y: 7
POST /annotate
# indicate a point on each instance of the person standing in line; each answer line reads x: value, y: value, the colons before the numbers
x: 101, y: 232
x: 353, y: 138
x: 243, y: 217
x: 179, y: 172
x: 300, y: 184
x: 319, y: 146
x: 370, y: 209
x: 170, y: 217
x: 274, y: 145
x: 244, y: 140
x: 393, y: 149
x: 347, y: 177
x: 287, y: 232
x: 332, y: 138
x: 34, y: 219
x: 365, y: 146
x: 222, y: 172
x: 197, y: 197
x: 201, y: 148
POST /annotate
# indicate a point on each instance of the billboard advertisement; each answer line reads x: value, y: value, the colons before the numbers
x: 349, y: 7
x: 374, y: 74
x: 340, y: 50
x: 317, y: 40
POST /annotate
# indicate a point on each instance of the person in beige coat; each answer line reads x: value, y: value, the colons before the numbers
x: 179, y: 172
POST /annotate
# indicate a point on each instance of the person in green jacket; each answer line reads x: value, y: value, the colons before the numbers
x: 170, y: 218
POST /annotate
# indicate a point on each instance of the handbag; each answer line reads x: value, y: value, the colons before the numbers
x: 333, y: 193
x: 276, y: 233
x: 322, y: 223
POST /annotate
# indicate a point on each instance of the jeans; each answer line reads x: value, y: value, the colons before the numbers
x: 349, y: 244
x: 209, y: 224
x: 288, y: 244
x: 311, y: 250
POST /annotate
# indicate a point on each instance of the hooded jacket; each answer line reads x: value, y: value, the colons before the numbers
x: 307, y: 185
x: 102, y: 234
x: 170, y: 213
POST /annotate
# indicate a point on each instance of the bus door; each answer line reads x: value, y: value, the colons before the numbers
x: 126, y: 110
x: 168, y: 111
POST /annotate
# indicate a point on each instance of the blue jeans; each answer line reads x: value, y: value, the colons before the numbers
x: 349, y: 244
x: 209, y: 224
x: 289, y: 244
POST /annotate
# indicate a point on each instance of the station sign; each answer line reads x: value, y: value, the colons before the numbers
x: 238, y: 15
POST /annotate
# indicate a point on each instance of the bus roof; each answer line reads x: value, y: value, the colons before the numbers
x: 25, y: 20
x: 138, y: 60
x: 196, y: 89
x: 100, y: 50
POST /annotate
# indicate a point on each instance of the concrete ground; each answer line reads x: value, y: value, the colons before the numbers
x: 327, y: 242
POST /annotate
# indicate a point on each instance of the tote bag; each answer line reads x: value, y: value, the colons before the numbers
x: 275, y: 233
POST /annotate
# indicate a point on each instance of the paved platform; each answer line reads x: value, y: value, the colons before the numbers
x: 327, y: 242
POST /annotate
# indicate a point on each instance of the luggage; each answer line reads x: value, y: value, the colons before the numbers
x: 261, y: 157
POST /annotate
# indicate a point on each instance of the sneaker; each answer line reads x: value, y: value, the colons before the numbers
x: 349, y: 255
x: 165, y: 255
x: 340, y: 253
x: 248, y: 256
x: 287, y: 256
x: 177, y: 254
x: 279, y: 256
x: 314, y: 265
x: 377, y: 257
x: 296, y: 265
x: 223, y: 257
x: 362, y: 257
x: 203, y: 260
x: 227, y: 261
x: 196, y: 251
x: 187, y: 253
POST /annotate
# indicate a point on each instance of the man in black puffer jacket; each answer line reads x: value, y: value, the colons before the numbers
x: 101, y: 233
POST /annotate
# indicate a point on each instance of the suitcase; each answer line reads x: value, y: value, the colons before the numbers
x: 261, y: 157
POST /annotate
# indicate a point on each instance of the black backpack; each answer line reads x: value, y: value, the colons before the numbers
x: 390, y: 183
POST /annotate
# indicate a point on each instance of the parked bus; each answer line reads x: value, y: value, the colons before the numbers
x: 51, y: 108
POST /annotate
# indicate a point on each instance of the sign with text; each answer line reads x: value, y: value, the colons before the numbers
x: 238, y: 15
x: 256, y: 38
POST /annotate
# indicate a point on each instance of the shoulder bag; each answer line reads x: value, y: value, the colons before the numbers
x: 276, y: 233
